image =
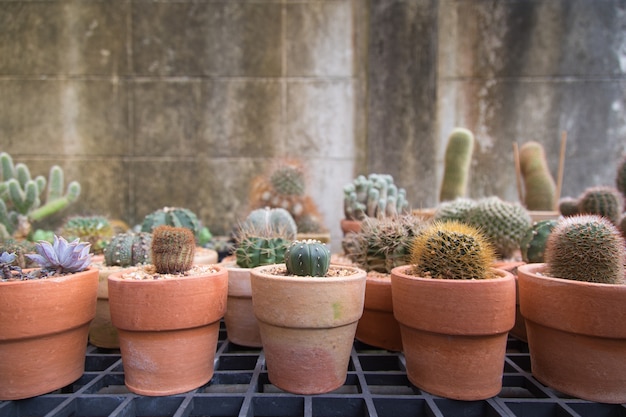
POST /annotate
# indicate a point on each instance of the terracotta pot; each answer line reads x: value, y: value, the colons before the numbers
x: 454, y: 332
x: 43, y: 340
x: 242, y: 327
x: 377, y: 326
x: 322, y: 237
x: 205, y: 256
x: 168, y: 329
x: 576, y: 334
x: 519, y: 328
x: 350, y: 226
x: 307, y: 326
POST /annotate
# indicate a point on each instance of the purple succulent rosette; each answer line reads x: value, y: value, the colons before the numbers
x: 62, y: 256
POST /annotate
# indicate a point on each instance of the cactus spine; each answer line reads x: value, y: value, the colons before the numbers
x: 586, y: 248
x: 602, y: 200
x: 457, y: 162
x: 454, y: 210
x: 533, y: 244
x: 129, y: 249
x: 540, y: 188
x: 307, y: 258
x: 173, y: 249
x: 452, y: 250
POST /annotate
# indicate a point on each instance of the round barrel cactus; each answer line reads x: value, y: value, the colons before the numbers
x: 271, y: 222
x: 175, y: 217
x: 307, y: 258
x: 128, y: 249
x: 253, y: 251
x: 533, y: 244
x: 173, y: 249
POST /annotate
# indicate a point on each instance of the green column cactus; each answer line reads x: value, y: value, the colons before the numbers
x: 307, y: 258
x: 129, y: 249
x: 602, y: 200
x: 172, y: 249
x: 533, y: 244
x: 452, y: 250
x: 539, y: 186
x: 457, y: 161
x: 586, y: 248
x: 176, y: 217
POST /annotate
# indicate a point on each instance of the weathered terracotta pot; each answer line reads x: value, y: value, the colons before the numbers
x: 519, y: 328
x: 168, y: 329
x: 242, y: 327
x: 454, y: 332
x: 307, y: 326
x: 43, y: 340
x: 378, y: 326
x: 350, y: 226
x: 205, y: 256
x: 576, y: 334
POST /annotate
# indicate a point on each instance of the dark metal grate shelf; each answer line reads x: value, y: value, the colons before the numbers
x: 376, y: 386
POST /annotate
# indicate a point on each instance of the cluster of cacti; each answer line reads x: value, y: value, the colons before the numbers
x: 21, y: 201
x: 129, y: 249
x: 539, y: 186
x: 177, y: 217
x: 263, y: 237
x: 454, y: 210
x: 373, y: 196
x: 452, y: 250
x: 533, y: 244
x: 172, y: 249
x: 586, y: 248
x: 307, y: 258
x: 93, y: 229
x: 458, y: 158
x: 383, y: 243
x: 602, y: 200
x: 61, y: 256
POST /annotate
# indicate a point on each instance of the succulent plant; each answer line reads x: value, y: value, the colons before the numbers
x: 457, y: 162
x: 173, y: 249
x: 129, y: 249
x: 271, y: 222
x: 602, y: 200
x: 253, y: 251
x: 586, y: 248
x: 7, y: 266
x: 568, y: 206
x: 176, y: 217
x: 456, y: 209
x: 452, y: 250
x: 96, y: 230
x: 373, y: 196
x: 61, y: 256
x: 539, y: 186
x: 20, y: 248
x: 288, y: 180
x: 307, y: 258
x: 533, y: 244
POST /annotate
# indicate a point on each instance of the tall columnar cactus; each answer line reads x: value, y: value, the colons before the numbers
x: 456, y: 209
x: 96, y: 230
x: 129, y: 249
x: 533, y: 244
x: 602, y: 200
x: 452, y: 250
x: 568, y: 206
x: 21, y: 201
x: 586, y: 248
x: 373, y: 196
x: 539, y: 186
x: 457, y: 163
x: 504, y: 223
x: 173, y: 249
x: 620, y: 177
x: 175, y: 217
x: 307, y: 258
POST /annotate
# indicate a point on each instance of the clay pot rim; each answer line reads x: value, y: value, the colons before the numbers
x: 536, y: 269
x: 116, y: 276
x: 358, y: 274
x: 503, y: 276
x: 38, y: 281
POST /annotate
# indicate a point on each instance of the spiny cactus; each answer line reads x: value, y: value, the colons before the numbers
x: 129, y: 249
x: 288, y: 180
x: 173, y: 249
x: 533, y: 244
x: 586, y: 248
x: 93, y: 229
x: 456, y: 209
x: 21, y: 201
x: 620, y: 177
x: 504, y: 223
x: 271, y: 222
x: 539, y: 186
x: 452, y: 250
x: 307, y: 258
x: 62, y: 257
x: 602, y: 200
x: 568, y: 206
x: 373, y: 196
x: 176, y: 217
x: 457, y: 162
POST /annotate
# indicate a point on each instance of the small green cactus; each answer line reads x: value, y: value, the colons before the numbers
x: 129, y: 249
x: 175, y: 217
x: 173, y: 249
x: 288, y: 180
x: 307, y: 258
x: 456, y: 209
x: 539, y: 186
x: 586, y: 248
x: 373, y: 196
x: 602, y: 200
x: 457, y: 162
x: 533, y: 244
x: 93, y: 229
x: 452, y: 250
x: 568, y: 206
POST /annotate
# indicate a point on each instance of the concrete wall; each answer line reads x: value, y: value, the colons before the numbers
x: 182, y: 103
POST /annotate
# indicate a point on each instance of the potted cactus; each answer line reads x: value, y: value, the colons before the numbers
x: 574, y: 303
x: 167, y: 315
x: 308, y: 312
x: 45, y: 314
x: 455, y: 312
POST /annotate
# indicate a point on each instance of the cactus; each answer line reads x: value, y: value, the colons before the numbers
x: 93, y: 229
x: 457, y: 162
x: 374, y: 196
x: 452, y: 250
x: 622, y: 225
x: 129, y: 249
x: 61, y: 257
x: 172, y: 249
x: 586, y: 248
x: 454, y: 210
x: 21, y: 196
x: 539, y: 186
x: 272, y: 222
x: 533, y: 244
x: 602, y: 200
x: 620, y: 177
x: 307, y: 258
x: 504, y: 223
x: 288, y: 180
x: 175, y: 217
x: 568, y: 206
x: 253, y: 251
